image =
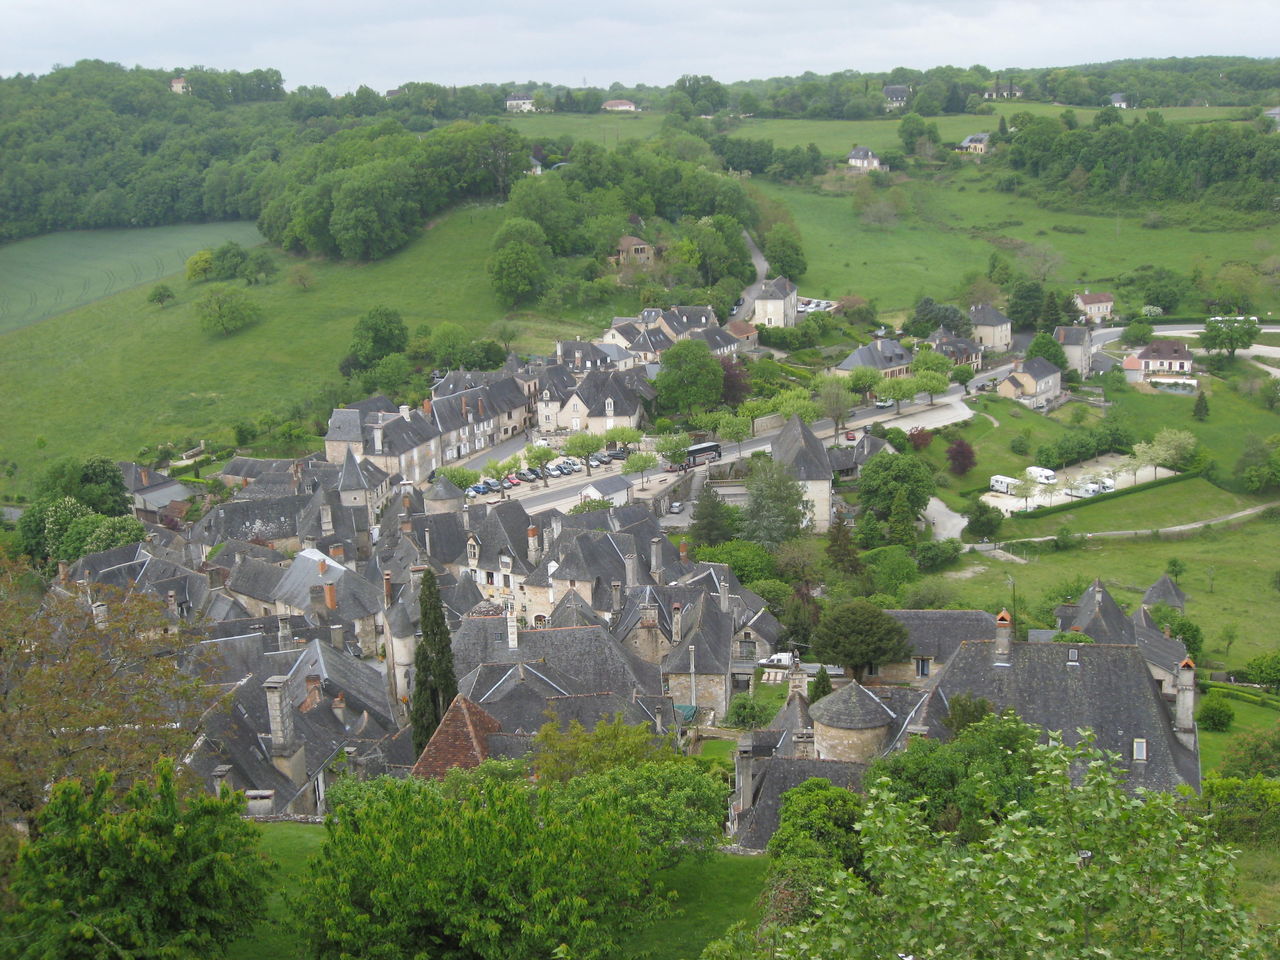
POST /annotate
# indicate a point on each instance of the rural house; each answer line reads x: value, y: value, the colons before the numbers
x: 991, y: 328
x: 861, y: 158
x: 1095, y: 306
x: 1165, y: 356
x: 890, y: 357
x: 776, y: 304
x: 1035, y: 382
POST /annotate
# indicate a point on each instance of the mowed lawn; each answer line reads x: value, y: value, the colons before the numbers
x: 1249, y: 718
x: 120, y: 374
x: 1228, y: 580
x: 42, y: 276
x: 289, y: 846
x: 713, y: 894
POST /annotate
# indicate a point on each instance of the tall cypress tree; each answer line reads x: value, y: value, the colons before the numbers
x: 1201, y: 411
x: 712, y: 521
x: 434, y: 683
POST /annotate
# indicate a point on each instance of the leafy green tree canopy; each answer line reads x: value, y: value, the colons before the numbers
x: 689, y: 378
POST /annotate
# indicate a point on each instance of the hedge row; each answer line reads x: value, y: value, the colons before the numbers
x: 1074, y: 502
x: 1257, y: 698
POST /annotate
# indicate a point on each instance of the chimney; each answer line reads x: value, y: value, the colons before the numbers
x: 144, y: 475
x: 466, y: 517
x: 220, y: 773
x: 742, y: 775
x: 99, y: 614
x: 1004, y: 638
x: 377, y: 436
x: 632, y: 564
x: 1184, y: 704
x: 171, y: 602
x: 407, y: 502
x: 339, y: 707
x: 63, y: 568
x: 797, y: 679
x: 426, y: 406
x: 404, y: 411
x: 464, y: 408
x: 338, y: 552
x: 535, y: 547
x: 677, y: 634
x: 559, y: 352
x: 326, y: 520
x: 480, y: 408
x: 324, y: 567
x: 693, y: 674
x: 317, y: 597
x: 331, y: 596
x: 313, y: 691
x: 655, y: 557
x: 406, y: 524
x: 279, y: 714
x: 336, y: 639
x: 724, y: 596
x: 615, y: 605
x: 284, y: 632
x: 513, y: 629
x: 684, y: 552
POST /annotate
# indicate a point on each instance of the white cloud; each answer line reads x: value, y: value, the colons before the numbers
x: 383, y: 43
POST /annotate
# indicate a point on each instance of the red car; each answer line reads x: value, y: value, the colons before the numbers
x: 851, y: 434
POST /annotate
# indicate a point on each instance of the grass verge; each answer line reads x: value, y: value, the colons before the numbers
x: 289, y: 846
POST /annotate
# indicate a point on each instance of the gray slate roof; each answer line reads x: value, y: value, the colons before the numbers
x: 852, y: 707
x: 1108, y: 690
x: 803, y: 454
x: 1040, y: 368
x: 939, y: 633
x: 774, y: 777
x: 985, y: 315
x: 778, y: 288
x: 880, y: 354
x: 1165, y: 591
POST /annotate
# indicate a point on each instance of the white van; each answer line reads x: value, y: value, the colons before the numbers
x: 781, y: 659
x: 1003, y: 484
x: 1042, y: 475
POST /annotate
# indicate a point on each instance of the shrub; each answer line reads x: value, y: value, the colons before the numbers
x: 1019, y: 445
x: 747, y: 713
x: 1215, y: 714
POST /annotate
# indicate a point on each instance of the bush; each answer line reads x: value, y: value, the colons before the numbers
x: 936, y: 554
x: 1215, y: 714
x: 1020, y: 445
x: 747, y: 713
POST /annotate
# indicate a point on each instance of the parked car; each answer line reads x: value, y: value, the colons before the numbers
x: 493, y: 486
x: 595, y: 460
x: 478, y: 489
x: 677, y: 506
x: 514, y: 480
x: 740, y: 301
x: 883, y: 404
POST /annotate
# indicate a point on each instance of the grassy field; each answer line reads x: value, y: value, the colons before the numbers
x: 1249, y: 717
x: 119, y: 373
x: 1228, y: 580
x: 833, y: 137
x: 289, y: 846
x: 47, y: 275
x: 950, y: 227
x: 1260, y: 883
x: 713, y: 894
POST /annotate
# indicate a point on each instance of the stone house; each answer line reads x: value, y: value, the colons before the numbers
x: 862, y: 159
x: 1165, y: 356
x: 896, y: 96
x: 634, y: 250
x: 776, y: 304
x: 519, y: 103
x: 798, y: 449
x: 991, y: 328
x: 888, y: 356
x: 959, y: 350
x: 975, y: 143
x: 1095, y: 306
x: 1077, y: 344
x: 1035, y: 382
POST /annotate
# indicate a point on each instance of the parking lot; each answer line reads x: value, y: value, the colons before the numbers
x: 1071, y: 478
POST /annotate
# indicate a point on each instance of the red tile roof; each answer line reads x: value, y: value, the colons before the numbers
x: 461, y: 740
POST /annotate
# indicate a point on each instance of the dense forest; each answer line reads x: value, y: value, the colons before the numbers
x: 99, y: 145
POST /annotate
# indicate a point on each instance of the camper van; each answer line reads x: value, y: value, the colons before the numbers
x: 1042, y: 475
x: 1003, y: 484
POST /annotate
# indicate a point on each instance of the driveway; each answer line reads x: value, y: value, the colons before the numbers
x: 946, y: 522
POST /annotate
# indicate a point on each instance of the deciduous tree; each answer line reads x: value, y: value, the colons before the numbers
x: 776, y: 508
x: 160, y: 294
x: 155, y: 876
x: 226, y: 311
x: 689, y: 378
x: 378, y: 333
x: 886, y: 473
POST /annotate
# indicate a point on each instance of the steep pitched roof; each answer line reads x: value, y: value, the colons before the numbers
x: 939, y: 633
x: 985, y: 315
x: 351, y: 478
x: 1164, y: 591
x: 801, y: 452
x: 1166, y: 350
x: 880, y: 354
x: 778, y: 288
x: 1107, y: 688
x: 852, y: 707
x: 1040, y: 368
x: 459, y: 741
x: 775, y: 776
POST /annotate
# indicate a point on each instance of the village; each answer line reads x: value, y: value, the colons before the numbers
x: 305, y: 584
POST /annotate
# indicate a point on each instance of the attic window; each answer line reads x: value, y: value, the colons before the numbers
x: 1139, y: 748
x: 1073, y: 655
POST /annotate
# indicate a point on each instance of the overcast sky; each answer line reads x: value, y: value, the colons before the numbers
x: 341, y: 44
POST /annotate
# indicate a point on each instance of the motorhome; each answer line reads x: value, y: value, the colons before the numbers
x: 1042, y: 475
x: 1003, y: 484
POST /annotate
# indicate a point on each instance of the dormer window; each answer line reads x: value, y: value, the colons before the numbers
x: 1139, y: 748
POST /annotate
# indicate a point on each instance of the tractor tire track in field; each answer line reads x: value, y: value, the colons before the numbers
x: 111, y: 282
x: 159, y: 266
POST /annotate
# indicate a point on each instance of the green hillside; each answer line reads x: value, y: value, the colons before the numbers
x: 119, y: 373
x: 46, y: 275
x: 951, y: 226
